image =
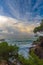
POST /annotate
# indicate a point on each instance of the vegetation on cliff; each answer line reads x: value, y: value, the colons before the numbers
x: 8, y: 51
x: 32, y: 60
x: 39, y: 47
x: 39, y: 28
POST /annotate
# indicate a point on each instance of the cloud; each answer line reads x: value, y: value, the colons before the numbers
x: 14, y: 12
x: 23, y: 10
x: 36, y: 4
x: 15, y: 24
x: 26, y: 18
x: 10, y: 27
x: 1, y: 11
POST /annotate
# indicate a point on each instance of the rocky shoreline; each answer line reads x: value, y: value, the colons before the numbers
x: 38, y: 47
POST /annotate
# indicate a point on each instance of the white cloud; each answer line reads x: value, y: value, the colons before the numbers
x: 10, y: 27
x: 13, y: 11
x: 26, y: 15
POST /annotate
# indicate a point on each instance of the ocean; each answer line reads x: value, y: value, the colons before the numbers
x: 23, y: 45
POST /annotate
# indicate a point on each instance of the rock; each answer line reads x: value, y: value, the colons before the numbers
x: 39, y: 50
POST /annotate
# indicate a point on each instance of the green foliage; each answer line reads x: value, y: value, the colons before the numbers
x: 7, y: 51
x: 40, y: 38
x: 39, y: 28
x: 41, y: 23
x: 23, y: 60
x: 32, y: 60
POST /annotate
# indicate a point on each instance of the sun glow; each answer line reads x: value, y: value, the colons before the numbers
x: 13, y: 23
x: 3, y: 19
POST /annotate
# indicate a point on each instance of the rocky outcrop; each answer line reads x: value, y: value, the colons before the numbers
x: 39, y: 49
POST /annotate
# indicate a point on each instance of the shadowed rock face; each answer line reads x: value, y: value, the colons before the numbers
x: 41, y: 44
x: 39, y: 49
x: 39, y: 52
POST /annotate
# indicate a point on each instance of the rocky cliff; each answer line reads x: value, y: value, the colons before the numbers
x: 39, y: 48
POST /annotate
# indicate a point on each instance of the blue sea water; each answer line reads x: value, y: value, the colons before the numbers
x: 23, y: 45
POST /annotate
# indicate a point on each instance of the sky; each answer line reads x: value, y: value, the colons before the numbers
x: 18, y: 18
